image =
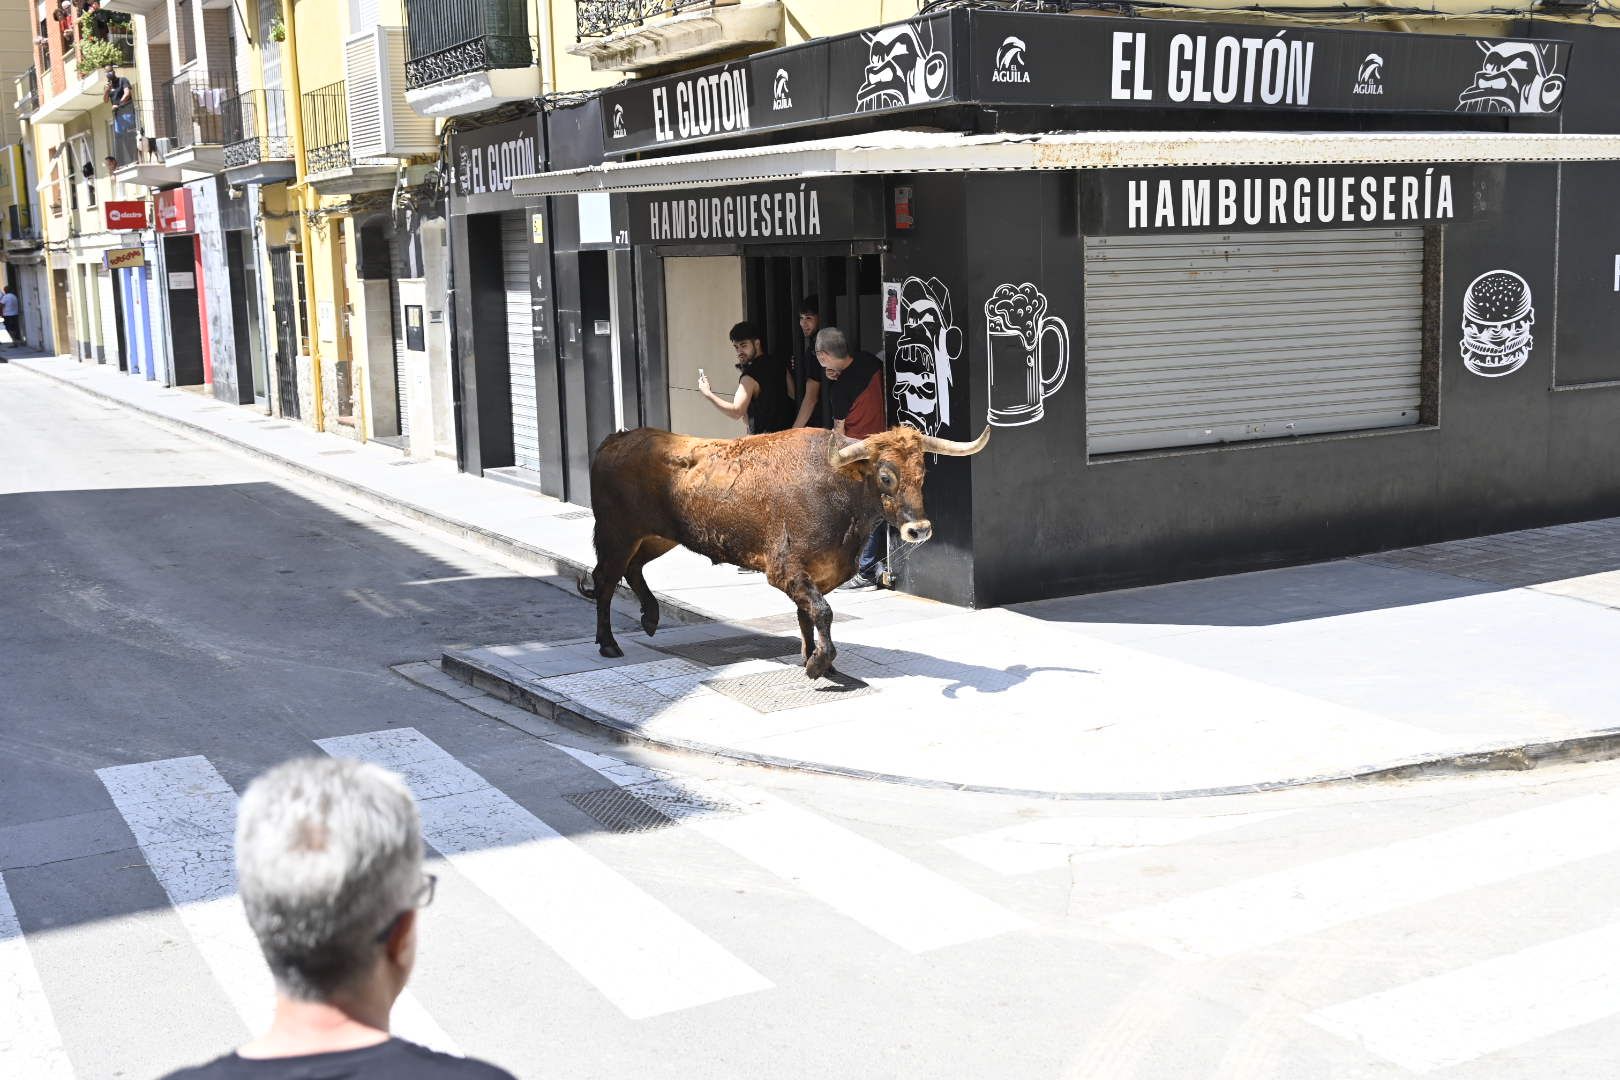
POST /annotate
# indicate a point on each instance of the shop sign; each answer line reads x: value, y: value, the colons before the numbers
x: 1055, y: 59
x: 486, y: 159
x: 1000, y: 57
x: 126, y: 215
x: 840, y: 208
x: 1139, y: 201
x: 174, y: 212
x: 901, y: 66
x: 123, y: 258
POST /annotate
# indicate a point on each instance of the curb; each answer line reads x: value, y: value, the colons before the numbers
x: 1597, y: 746
x: 547, y: 562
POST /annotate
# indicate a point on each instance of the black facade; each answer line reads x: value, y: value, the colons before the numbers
x: 1504, y: 390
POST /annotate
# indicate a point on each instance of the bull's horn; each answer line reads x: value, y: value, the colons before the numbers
x: 956, y: 449
x: 853, y: 450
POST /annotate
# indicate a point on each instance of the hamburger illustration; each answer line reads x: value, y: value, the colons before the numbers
x: 1497, y: 317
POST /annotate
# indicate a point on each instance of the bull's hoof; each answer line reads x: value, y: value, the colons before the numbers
x: 819, y: 664
x: 611, y: 650
x: 649, y: 623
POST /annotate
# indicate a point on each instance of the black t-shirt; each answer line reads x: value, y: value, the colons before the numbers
x: 116, y: 88
x: 771, y: 409
x: 807, y: 370
x: 848, y: 398
x: 395, y: 1059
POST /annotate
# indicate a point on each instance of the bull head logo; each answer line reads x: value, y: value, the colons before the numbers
x: 1514, y: 77
x: 902, y: 68
x: 929, y: 343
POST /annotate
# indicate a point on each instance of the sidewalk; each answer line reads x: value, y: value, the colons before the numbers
x: 1496, y: 652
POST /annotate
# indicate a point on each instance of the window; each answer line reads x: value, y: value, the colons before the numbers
x: 1218, y: 338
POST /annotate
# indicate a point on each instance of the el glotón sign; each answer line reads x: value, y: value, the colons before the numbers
x: 965, y: 55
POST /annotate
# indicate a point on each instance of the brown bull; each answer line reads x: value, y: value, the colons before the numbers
x: 796, y: 505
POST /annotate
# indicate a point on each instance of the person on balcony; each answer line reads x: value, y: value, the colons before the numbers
x: 118, y: 93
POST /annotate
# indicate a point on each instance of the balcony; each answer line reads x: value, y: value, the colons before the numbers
x: 330, y: 167
x: 191, y: 111
x: 639, y: 35
x: 258, y: 145
x: 27, y: 92
x: 21, y: 232
x: 138, y: 137
x: 467, y: 55
x: 72, y: 76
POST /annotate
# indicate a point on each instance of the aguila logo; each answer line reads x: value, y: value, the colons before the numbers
x: 1370, y: 76
x: 618, y: 122
x: 781, y: 98
x: 1011, y: 65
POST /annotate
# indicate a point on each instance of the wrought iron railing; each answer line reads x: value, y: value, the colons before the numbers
x: 193, y: 108
x: 256, y: 128
x: 28, y: 91
x: 603, y: 18
x: 326, y: 128
x: 446, y: 38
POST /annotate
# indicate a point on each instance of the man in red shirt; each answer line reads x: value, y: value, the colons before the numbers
x: 854, y: 387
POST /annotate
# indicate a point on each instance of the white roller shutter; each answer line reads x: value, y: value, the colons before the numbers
x: 515, y: 243
x: 1219, y: 338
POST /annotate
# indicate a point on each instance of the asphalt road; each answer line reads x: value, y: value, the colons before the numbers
x: 171, y: 611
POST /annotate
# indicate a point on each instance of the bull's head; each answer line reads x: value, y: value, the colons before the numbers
x: 891, y: 464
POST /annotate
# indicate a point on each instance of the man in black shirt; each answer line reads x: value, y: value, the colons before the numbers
x: 118, y: 90
x: 329, y: 868
x: 764, y: 384
x: 807, y: 369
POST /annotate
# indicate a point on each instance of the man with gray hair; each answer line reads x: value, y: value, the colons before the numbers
x: 329, y: 867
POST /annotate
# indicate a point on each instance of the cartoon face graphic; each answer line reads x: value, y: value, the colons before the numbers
x: 1513, y: 77
x: 928, y: 343
x: 902, y: 68
x: 1497, y: 317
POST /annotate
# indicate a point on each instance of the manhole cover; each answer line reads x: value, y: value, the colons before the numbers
x: 644, y: 807
x: 572, y: 515
x: 720, y: 651
x: 775, y: 691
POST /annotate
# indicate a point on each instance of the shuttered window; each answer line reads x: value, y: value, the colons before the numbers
x: 1195, y: 340
x: 515, y: 243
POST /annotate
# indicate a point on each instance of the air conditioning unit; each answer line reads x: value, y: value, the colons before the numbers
x: 163, y: 145
x: 381, y: 122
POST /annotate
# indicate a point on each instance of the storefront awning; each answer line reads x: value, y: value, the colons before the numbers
x: 904, y: 152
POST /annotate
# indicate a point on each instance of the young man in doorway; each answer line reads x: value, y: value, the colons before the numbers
x: 764, y: 385
x: 853, y: 383
x: 807, y: 369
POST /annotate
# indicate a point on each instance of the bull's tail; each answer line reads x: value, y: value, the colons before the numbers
x: 585, y: 586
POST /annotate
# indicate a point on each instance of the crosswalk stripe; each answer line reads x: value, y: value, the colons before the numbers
x: 1050, y: 844
x: 641, y: 955
x: 1302, y: 900
x: 30, y: 1044
x: 908, y: 904
x: 182, y: 813
x: 1503, y: 1002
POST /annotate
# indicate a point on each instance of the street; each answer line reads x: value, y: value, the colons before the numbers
x: 175, y: 619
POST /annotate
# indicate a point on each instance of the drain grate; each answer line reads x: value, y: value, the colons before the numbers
x: 776, y: 691
x: 645, y: 807
x: 732, y: 650
x: 572, y: 515
x: 788, y: 622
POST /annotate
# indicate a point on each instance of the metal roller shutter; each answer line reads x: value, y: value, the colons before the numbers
x: 520, y: 339
x: 1218, y: 338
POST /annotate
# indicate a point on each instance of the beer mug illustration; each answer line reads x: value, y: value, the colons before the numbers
x: 1016, y: 329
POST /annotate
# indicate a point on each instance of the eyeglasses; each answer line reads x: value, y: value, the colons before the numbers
x: 423, y: 897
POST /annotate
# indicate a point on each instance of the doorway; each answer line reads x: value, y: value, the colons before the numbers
x: 286, y: 330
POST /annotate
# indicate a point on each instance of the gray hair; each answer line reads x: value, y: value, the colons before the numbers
x: 328, y: 851
x: 831, y: 340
